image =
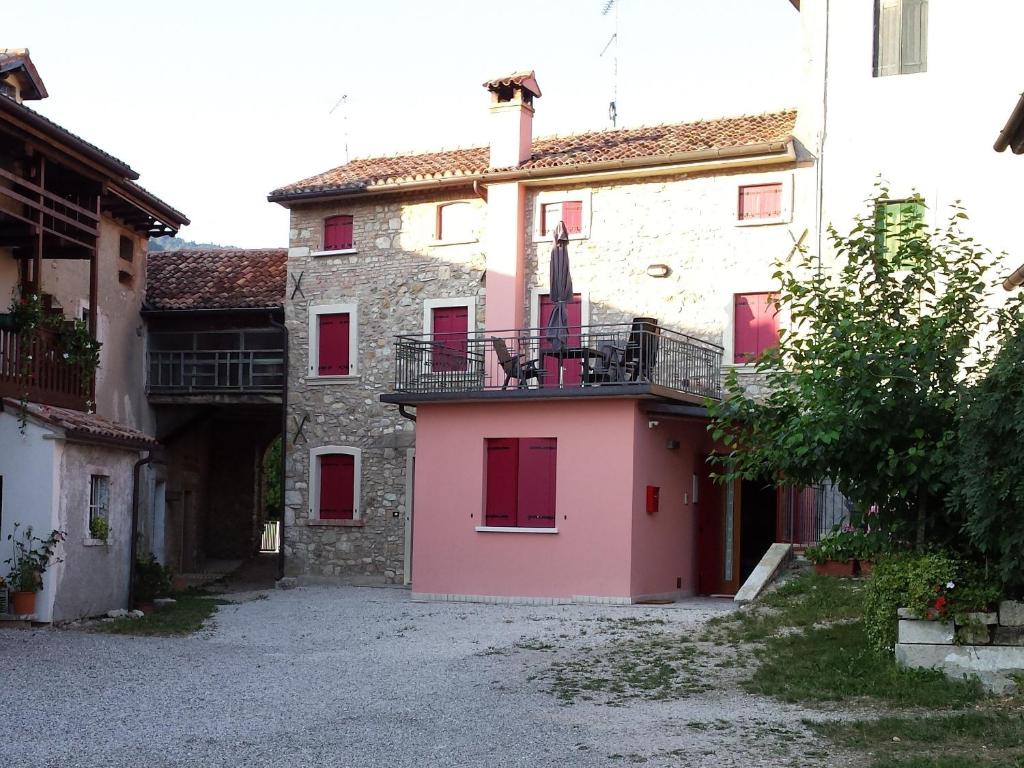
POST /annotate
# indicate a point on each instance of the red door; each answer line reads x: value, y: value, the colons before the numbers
x: 709, y: 535
x: 337, y: 486
x: 451, y: 331
x: 572, y: 374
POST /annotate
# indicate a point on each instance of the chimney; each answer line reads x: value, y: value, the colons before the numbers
x: 512, y: 118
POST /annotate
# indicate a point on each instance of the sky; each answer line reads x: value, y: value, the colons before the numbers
x: 217, y: 102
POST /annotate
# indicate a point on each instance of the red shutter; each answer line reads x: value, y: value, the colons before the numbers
x: 338, y: 233
x: 767, y: 323
x: 333, y: 345
x: 745, y: 328
x: 572, y: 215
x: 760, y: 201
x: 337, y: 486
x: 502, y: 464
x: 536, y: 485
x: 450, y: 334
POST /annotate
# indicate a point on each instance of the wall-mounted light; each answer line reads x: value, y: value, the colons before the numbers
x: 659, y: 270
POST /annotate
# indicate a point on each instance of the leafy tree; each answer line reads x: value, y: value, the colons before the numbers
x: 865, y: 385
x: 272, y: 479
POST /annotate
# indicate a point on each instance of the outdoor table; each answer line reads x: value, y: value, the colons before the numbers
x: 583, y: 353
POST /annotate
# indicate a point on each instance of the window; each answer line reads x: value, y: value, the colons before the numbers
x: 901, y: 37
x: 127, y: 249
x: 759, y: 201
x: 569, y: 211
x: 449, y: 337
x: 455, y: 223
x: 338, y: 233
x: 334, y: 482
x: 896, y: 221
x: 99, y: 499
x: 332, y: 340
x: 755, y: 326
x: 520, y: 482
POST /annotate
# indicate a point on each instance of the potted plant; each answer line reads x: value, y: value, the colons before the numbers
x: 99, y: 528
x: 835, y: 554
x: 32, y: 556
x: 152, y: 580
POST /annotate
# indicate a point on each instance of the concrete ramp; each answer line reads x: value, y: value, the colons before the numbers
x: 762, y: 575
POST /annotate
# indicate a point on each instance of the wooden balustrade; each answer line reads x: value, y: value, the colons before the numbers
x: 38, y: 372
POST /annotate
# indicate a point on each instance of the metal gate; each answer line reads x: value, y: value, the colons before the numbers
x: 806, y: 514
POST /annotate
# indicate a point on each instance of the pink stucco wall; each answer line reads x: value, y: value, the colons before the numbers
x: 663, y: 544
x: 593, y: 553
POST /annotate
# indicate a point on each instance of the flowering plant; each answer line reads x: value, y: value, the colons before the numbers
x: 32, y: 556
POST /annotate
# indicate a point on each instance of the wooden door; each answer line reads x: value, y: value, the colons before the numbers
x: 572, y: 370
x: 718, y: 539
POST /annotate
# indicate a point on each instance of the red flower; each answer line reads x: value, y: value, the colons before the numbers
x: 940, y: 604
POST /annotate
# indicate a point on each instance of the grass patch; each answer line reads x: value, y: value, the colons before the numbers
x: 656, y: 666
x: 182, y: 618
x: 981, y: 738
x: 835, y: 663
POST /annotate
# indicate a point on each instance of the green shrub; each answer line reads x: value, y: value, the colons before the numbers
x: 151, y: 579
x: 933, y: 585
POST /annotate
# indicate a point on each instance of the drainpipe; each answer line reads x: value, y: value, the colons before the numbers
x: 405, y: 413
x: 284, y: 445
x: 133, y: 548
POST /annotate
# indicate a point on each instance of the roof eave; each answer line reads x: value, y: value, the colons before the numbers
x: 523, y: 174
x: 1012, y: 134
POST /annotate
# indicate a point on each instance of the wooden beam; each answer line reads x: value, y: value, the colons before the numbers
x: 37, y: 257
x: 35, y: 188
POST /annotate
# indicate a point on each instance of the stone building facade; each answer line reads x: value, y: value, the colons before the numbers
x: 674, y: 204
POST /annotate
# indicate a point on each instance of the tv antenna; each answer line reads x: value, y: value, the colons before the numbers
x: 343, y: 101
x: 613, y: 105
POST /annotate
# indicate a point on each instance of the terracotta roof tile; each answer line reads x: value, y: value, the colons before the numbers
x: 652, y: 142
x: 85, y: 426
x: 216, y: 279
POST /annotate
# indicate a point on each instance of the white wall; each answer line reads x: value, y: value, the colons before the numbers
x: 931, y: 131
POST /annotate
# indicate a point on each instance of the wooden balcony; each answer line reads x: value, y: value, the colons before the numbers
x: 38, y: 372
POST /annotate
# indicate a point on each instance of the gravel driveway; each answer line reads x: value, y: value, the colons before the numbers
x: 350, y: 676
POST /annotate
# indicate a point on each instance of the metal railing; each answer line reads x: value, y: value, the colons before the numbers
x: 270, y: 541
x: 37, y: 371
x: 216, y: 370
x: 807, y: 514
x: 640, y: 353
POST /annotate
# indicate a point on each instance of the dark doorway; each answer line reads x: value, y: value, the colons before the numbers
x: 757, y: 524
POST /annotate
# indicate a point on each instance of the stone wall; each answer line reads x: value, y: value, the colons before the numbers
x: 396, y: 267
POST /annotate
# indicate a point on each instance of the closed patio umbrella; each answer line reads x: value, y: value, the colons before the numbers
x: 560, y: 287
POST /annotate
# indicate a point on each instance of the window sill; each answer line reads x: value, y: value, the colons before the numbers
x: 443, y: 243
x: 537, y: 238
x: 342, y: 252
x: 322, y: 381
x: 785, y: 219
x: 90, y: 542
x: 501, y: 529
x: 358, y: 523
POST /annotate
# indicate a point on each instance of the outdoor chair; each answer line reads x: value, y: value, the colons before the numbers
x: 609, y: 367
x: 641, y: 348
x: 517, y: 367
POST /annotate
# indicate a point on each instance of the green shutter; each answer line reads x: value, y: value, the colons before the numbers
x: 914, y: 37
x: 894, y: 222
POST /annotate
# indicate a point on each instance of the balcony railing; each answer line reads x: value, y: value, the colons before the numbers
x: 39, y: 373
x: 593, y: 358
x: 199, y: 371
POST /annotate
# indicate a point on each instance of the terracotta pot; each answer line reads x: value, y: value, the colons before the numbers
x: 834, y: 568
x: 146, y: 607
x: 865, y: 566
x: 23, y: 603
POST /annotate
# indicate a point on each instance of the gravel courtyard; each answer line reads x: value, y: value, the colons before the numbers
x: 352, y: 676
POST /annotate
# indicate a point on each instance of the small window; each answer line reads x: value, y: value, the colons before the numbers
x: 455, y: 222
x: 520, y: 482
x: 332, y: 340
x: 755, y: 325
x: 568, y: 211
x: 99, y: 499
x: 896, y: 224
x: 338, y: 233
x: 901, y: 37
x: 759, y: 201
x: 127, y: 249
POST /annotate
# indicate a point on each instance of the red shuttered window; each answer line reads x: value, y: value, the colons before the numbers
x: 450, y: 327
x: 520, y: 482
x: 755, y: 325
x: 338, y: 233
x: 760, y: 201
x: 333, y: 347
x: 337, y: 486
x: 570, y: 211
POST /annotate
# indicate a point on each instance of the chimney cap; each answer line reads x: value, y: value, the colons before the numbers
x: 525, y: 79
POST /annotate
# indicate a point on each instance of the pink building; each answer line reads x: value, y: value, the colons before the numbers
x: 544, y: 466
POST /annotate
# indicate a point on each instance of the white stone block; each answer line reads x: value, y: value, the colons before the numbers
x: 993, y: 665
x: 1011, y: 613
x: 928, y: 632
x: 906, y: 613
